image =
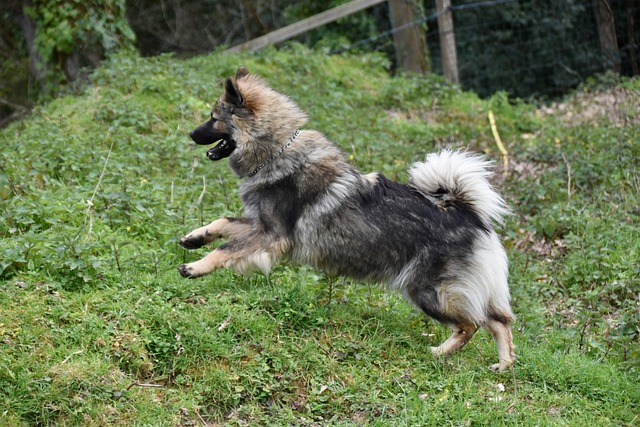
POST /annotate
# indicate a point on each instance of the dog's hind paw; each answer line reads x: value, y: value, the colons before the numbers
x: 501, y: 367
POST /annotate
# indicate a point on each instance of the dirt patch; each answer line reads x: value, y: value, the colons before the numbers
x: 618, y: 107
x: 423, y: 116
x: 527, y: 241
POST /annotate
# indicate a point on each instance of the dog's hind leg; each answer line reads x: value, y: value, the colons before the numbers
x: 462, y: 333
x: 227, y: 228
x: 451, y: 312
x: 501, y: 333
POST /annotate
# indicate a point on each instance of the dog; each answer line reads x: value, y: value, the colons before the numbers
x: 432, y: 239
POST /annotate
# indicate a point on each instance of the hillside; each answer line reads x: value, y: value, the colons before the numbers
x: 98, y: 328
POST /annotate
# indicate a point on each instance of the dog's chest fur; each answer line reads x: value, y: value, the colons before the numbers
x: 296, y: 197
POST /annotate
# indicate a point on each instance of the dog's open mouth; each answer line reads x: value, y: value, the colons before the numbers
x: 222, y: 149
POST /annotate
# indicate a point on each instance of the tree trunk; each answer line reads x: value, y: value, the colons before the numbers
x: 631, y: 31
x: 36, y: 64
x: 607, y: 32
x: 409, y: 41
x: 252, y: 23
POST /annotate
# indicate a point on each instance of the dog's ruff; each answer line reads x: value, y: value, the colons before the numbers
x: 274, y: 156
x: 431, y: 239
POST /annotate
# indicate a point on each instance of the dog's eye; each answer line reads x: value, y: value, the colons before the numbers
x: 227, y: 110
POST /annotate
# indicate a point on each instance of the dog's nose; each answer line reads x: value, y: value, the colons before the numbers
x: 199, y: 137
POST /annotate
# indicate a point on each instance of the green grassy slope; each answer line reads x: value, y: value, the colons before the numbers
x: 97, y: 327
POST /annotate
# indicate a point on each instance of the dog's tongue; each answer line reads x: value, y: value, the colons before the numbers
x: 221, y: 150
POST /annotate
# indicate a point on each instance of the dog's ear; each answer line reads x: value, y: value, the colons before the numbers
x: 232, y: 94
x: 242, y: 72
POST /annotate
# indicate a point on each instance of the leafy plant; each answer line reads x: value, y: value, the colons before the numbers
x: 70, y: 35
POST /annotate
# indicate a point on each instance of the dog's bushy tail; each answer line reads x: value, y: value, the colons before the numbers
x: 459, y: 176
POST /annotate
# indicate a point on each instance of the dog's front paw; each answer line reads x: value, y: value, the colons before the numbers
x: 187, y: 271
x: 193, y: 242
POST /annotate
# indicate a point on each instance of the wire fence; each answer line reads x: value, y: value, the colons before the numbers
x: 526, y: 47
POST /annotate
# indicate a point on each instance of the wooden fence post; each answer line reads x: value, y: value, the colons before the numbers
x: 409, y: 42
x: 447, y: 41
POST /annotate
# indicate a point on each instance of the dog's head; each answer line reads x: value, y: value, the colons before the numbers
x: 219, y: 128
x: 250, y: 122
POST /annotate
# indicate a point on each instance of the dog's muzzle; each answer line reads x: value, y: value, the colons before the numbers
x: 207, y: 134
x: 222, y: 149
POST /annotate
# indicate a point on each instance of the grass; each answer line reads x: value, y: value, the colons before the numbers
x: 97, y: 327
